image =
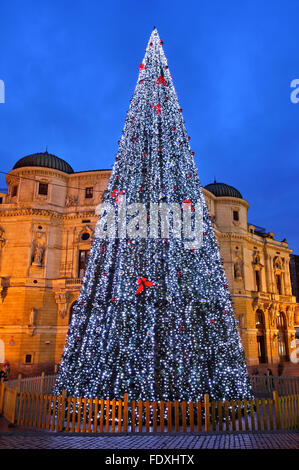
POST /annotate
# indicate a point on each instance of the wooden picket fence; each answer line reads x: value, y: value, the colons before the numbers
x: 38, y: 384
x: 73, y: 414
x: 8, y: 402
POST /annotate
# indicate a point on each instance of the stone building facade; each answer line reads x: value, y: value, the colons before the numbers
x: 47, y: 223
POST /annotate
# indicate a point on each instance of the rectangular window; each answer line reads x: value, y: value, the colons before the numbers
x: 258, y: 281
x: 281, y: 346
x: 236, y: 215
x: 83, y: 257
x: 14, y: 190
x: 88, y: 193
x: 278, y: 283
x: 1, y: 200
x: 43, y: 189
x: 28, y: 358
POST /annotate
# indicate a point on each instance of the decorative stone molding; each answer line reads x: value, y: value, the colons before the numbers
x: 257, y: 265
x: 62, y: 298
x: 25, y: 211
x: 273, y: 312
x: 86, y: 229
x: 38, y: 253
x: 31, y: 327
x: 278, y: 264
x: 4, y: 284
x: 17, y: 173
x: 33, y: 315
x: 71, y: 200
x: 238, y: 268
x: 2, y: 238
x: 290, y: 311
x: 38, y: 247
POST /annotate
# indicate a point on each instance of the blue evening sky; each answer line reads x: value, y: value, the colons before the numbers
x: 70, y: 69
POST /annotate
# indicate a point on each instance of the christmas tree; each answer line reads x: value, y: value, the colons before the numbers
x: 154, y: 317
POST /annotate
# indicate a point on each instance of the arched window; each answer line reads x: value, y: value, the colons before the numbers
x: 282, y: 335
x: 261, y: 336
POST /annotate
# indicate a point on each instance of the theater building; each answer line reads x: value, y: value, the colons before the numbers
x: 47, y: 223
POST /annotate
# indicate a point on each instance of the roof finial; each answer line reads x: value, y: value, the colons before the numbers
x: 215, y: 179
x: 46, y: 149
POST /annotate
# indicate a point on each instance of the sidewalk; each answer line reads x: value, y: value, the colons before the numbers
x: 23, y: 438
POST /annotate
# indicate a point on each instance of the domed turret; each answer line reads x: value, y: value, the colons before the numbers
x: 223, y: 190
x: 44, y: 159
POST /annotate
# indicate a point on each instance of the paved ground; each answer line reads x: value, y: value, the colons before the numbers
x: 240, y: 440
x: 23, y: 438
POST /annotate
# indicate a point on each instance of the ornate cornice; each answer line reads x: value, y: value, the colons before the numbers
x: 36, y: 171
x: 248, y: 238
x: 27, y: 211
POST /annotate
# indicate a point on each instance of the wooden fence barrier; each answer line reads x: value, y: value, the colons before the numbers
x: 77, y: 414
x: 41, y: 384
x: 8, y: 402
x: 262, y: 385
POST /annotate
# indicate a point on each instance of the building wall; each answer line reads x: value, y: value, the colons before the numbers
x: 40, y: 240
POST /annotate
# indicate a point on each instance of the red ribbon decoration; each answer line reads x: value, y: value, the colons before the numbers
x: 186, y: 204
x: 157, y: 108
x: 142, y: 281
x: 161, y: 80
x: 115, y: 194
x: 142, y: 66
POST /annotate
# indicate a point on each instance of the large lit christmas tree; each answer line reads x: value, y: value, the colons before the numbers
x: 154, y: 316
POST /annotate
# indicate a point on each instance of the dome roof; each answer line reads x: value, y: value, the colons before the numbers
x: 44, y: 159
x: 223, y: 190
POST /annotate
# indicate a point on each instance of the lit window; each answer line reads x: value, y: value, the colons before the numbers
x: 43, y: 189
x: 83, y: 257
x: 88, y: 193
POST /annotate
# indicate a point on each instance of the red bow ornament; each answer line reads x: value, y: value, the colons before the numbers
x: 115, y: 194
x: 161, y: 80
x: 157, y: 108
x: 142, y: 282
x: 187, y: 204
x: 142, y: 66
